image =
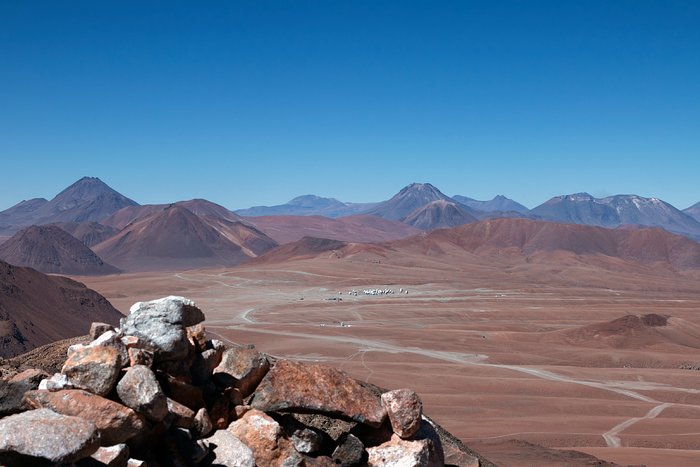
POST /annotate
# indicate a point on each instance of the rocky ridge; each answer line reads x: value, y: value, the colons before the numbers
x: 157, y: 392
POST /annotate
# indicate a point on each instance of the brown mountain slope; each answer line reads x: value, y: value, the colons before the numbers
x: 253, y: 242
x: 307, y: 247
x: 359, y: 228
x: 519, y: 241
x: 439, y: 214
x: 129, y: 214
x: 90, y: 233
x: 200, y: 207
x: 632, y: 331
x: 528, y: 237
x: 36, y: 309
x: 50, y: 249
x: 174, y: 238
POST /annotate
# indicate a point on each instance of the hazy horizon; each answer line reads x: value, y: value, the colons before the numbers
x: 250, y: 104
x: 280, y: 202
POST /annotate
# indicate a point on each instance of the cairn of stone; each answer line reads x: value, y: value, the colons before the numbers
x: 157, y: 392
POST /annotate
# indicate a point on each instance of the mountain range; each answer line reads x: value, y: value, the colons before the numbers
x: 111, y: 229
x: 615, y: 211
x: 308, y: 205
x: 498, y: 203
x: 517, y: 241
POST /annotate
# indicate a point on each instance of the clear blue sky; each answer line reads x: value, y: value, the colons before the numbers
x: 254, y: 102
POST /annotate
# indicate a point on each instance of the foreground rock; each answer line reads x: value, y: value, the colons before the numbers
x: 399, y: 452
x: 242, y: 368
x: 293, y: 386
x: 263, y: 436
x: 405, y: 410
x: 94, y: 369
x: 162, y: 324
x: 139, y: 390
x: 48, y: 435
x: 115, y: 422
x: 229, y: 450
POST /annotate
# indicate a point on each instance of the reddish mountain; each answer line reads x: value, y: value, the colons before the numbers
x: 126, y: 215
x: 200, y: 207
x: 88, y: 199
x: 521, y: 240
x: 36, y: 309
x: 253, y: 241
x: 50, y: 249
x: 307, y: 247
x: 439, y: 214
x: 361, y: 228
x: 644, y: 245
x: 633, y: 331
x: 90, y: 233
x: 174, y: 238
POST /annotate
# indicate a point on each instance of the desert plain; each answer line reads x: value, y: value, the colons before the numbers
x: 524, y: 361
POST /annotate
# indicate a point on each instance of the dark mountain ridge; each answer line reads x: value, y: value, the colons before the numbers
x: 50, y: 249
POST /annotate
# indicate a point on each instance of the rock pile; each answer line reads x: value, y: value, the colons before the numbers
x: 157, y: 392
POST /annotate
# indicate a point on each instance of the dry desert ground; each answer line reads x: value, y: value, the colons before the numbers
x: 521, y: 361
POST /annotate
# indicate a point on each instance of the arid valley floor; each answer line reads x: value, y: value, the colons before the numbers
x: 513, y: 358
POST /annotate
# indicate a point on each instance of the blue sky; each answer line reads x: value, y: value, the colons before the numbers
x: 255, y: 102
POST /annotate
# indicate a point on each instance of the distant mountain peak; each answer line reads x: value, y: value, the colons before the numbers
x: 616, y: 210
x: 498, y: 203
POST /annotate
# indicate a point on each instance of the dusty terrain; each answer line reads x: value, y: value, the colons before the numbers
x: 499, y: 350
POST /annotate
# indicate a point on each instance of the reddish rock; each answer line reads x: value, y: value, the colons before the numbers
x: 108, y: 339
x: 241, y: 367
x: 405, y: 410
x: 264, y: 437
x: 46, y: 434
x: 12, y: 390
x: 400, y: 452
x: 113, y: 456
x: 182, y: 415
x: 202, y: 424
x: 183, y: 392
x: 115, y: 422
x: 219, y: 412
x: 293, y: 386
x: 93, y: 368
x: 97, y: 329
x: 240, y: 410
x: 140, y: 390
x: 230, y: 451
x: 140, y: 357
x: 31, y: 377
x: 197, y: 336
x: 132, y: 342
